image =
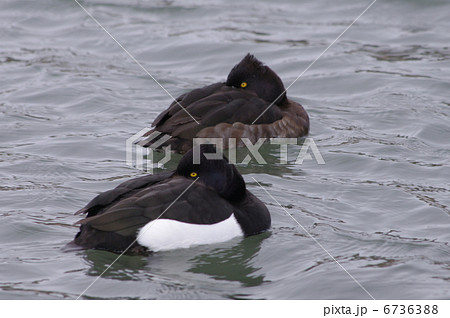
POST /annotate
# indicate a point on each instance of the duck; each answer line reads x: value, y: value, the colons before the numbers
x: 198, y: 203
x: 251, y: 103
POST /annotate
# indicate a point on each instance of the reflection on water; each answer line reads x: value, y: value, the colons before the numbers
x: 125, y: 268
x: 266, y: 158
x: 233, y: 264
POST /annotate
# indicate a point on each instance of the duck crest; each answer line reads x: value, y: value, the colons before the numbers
x: 252, y: 63
x: 248, y: 65
x: 253, y: 75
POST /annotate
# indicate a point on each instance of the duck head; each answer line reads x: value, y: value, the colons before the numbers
x: 218, y: 174
x: 251, y: 74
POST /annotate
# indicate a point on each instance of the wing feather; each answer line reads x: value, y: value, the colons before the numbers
x: 212, y: 105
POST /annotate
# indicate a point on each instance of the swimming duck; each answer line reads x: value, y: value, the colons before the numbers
x: 252, y: 104
x: 196, y: 204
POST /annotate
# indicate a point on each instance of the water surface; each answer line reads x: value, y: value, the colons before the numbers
x: 379, y: 105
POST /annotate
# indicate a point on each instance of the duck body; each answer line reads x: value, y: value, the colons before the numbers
x: 251, y: 104
x: 173, y: 210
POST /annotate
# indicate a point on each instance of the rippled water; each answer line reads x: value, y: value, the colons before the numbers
x: 379, y: 104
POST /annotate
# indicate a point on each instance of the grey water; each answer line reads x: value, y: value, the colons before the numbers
x: 379, y: 104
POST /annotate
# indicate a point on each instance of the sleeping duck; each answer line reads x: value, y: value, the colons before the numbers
x: 196, y: 204
x: 252, y: 104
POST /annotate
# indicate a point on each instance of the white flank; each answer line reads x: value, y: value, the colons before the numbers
x: 166, y: 234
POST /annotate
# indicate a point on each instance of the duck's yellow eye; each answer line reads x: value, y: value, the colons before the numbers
x: 193, y: 174
x: 243, y: 84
